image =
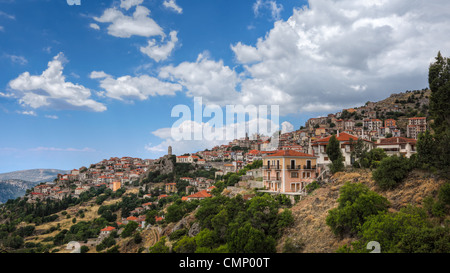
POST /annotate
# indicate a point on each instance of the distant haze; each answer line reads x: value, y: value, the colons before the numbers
x: 34, y: 175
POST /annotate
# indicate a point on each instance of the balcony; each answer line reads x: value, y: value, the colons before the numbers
x: 309, y: 167
x: 293, y: 168
x: 271, y: 179
x: 272, y: 167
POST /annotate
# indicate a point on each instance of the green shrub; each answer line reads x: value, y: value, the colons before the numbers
x: 129, y: 229
x: 160, y: 246
x: 356, y: 203
x: 285, y: 219
x: 444, y: 194
x: 312, y: 186
x: 392, y: 170
x: 185, y: 245
x: 178, y: 234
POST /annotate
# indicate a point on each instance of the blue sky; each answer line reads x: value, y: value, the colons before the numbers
x: 82, y: 83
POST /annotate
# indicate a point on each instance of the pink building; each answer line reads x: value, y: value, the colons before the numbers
x: 288, y: 171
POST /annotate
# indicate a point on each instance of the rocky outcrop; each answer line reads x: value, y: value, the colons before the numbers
x: 163, y: 165
x: 194, y: 230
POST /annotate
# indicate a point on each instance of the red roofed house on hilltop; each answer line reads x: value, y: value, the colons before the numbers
x: 187, y: 158
x: 400, y: 146
x: 106, y: 231
x: 346, y: 141
x: 199, y: 195
x: 288, y: 171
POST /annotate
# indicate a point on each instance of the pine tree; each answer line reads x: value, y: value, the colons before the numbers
x: 334, y: 149
x: 426, y: 148
x: 439, y: 81
x: 335, y: 154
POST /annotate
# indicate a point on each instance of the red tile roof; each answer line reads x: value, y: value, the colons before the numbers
x: 289, y: 153
x: 200, y: 194
x: 396, y: 140
x: 109, y: 228
x: 341, y: 137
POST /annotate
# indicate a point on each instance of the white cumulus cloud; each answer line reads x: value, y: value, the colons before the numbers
x: 50, y: 89
x: 269, y: 5
x: 171, y: 4
x: 94, y: 26
x: 160, y: 52
x: 127, y: 4
x: 331, y: 55
x: 123, y: 26
x: 128, y: 87
x: 211, y: 80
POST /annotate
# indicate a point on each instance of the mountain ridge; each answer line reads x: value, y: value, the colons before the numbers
x: 15, y: 184
x: 33, y: 175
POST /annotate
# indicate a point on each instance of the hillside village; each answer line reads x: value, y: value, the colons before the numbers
x: 378, y: 124
x: 299, y: 161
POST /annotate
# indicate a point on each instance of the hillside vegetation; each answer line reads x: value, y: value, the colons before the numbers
x: 310, y: 232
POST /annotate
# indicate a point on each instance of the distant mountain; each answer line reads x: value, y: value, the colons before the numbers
x: 34, y: 175
x: 13, y: 188
x: 15, y: 184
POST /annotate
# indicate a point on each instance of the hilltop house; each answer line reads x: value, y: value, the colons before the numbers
x: 288, y: 171
x: 198, y: 196
x: 346, y: 141
x: 187, y: 159
x: 400, y: 146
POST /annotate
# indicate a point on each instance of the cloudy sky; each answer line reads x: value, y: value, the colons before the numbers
x: 80, y: 83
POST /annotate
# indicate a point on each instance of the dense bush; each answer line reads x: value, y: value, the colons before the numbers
x: 129, y: 229
x: 179, y: 209
x: 234, y: 225
x: 392, y: 170
x: 160, y: 246
x: 356, y: 203
x: 407, y: 231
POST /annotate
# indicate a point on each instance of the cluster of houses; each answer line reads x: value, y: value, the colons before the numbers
x: 301, y: 155
x: 112, y: 173
x: 299, y: 159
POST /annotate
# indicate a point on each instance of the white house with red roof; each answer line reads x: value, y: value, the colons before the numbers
x: 319, y: 147
x: 400, y: 146
x: 187, y: 159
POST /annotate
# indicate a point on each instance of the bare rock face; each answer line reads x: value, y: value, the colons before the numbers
x: 163, y: 165
x: 194, y: 230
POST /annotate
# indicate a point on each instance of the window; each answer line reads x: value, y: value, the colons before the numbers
x: 308, y: 164
x: 294, y: 174
x: 292, y: 164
